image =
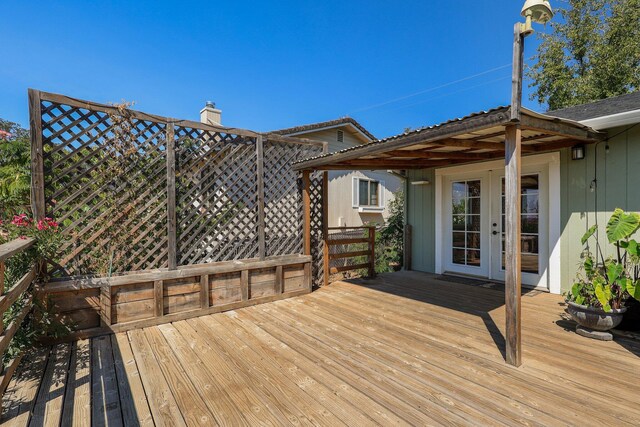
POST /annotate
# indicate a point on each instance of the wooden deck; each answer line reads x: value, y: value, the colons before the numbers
x: 404, y: 349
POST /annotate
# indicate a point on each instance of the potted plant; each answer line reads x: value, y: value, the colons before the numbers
x: 597, y: 298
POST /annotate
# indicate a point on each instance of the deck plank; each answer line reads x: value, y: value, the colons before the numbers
x: 77, y: 400
x: 132, y: 396
x: 162, y: 404
x: 105, y: 410
x: 49, y: 403
x: 188, y: 398
x: 402, y: 349
x: 18, y: 405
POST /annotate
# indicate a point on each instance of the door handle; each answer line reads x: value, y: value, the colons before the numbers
x: 494, y: 232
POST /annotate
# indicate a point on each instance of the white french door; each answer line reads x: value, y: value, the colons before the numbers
x: 534, y: 219
x: 473, y: 224
x: 466, y: 217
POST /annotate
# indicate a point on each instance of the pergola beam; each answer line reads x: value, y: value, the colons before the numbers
x: 420, y: 154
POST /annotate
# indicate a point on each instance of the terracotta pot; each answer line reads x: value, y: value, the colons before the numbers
x: 595, y: 318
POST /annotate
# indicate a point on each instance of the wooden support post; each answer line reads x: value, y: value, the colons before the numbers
x: 306, y: 207
x: 260, y: 183
x: 513, y: 244
x: 158, y: 298
x: 308, y: 280
x: 516, y: 72
x: 325, y: 227
x: 244, y: 284
x: 37, y: 155
x: 372, y: 251
x: 407, y: 246
x: 279, y: 279
x: 171, y: 197
x: 105, y: 305
x: 204, y: 291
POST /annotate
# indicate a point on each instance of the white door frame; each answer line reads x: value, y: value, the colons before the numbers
x: 552, y: 161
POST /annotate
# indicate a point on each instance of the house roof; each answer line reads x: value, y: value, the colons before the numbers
x: 602, y: 108
x: 476, y: 137
x: 328, y: 124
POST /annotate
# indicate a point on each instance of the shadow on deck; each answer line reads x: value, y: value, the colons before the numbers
x: 405, y: 348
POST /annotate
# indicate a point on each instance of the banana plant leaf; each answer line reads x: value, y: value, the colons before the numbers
x: 621, y: 225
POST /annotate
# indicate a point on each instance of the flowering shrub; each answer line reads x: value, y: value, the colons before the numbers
x: 46, y: 233
x: 39, y: 322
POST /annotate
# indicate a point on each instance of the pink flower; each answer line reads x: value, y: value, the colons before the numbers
x: 4, y: 134
x: 42, y: 225
x: 21, y: 220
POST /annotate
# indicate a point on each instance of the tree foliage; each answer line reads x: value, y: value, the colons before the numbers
x: 15, y: 172
x: 592, y: 53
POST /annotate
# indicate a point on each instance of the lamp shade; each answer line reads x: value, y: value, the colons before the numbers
x: 539, y: 10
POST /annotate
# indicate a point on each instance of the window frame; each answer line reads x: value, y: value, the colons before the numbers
x: 356, y: 193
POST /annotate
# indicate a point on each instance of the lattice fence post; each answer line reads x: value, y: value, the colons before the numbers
x: 171, y: 196
x: 260, y: 184
x: 325, y: 227
x: 37, y: 159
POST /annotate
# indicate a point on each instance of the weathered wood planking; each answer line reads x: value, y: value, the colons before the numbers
x: 387, y: 351
x: 144, y: 299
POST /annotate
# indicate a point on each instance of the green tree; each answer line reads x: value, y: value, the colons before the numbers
x: 592, y: 53
x: 15, y: 170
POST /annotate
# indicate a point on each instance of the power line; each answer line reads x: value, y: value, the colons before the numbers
x: 431, y: 89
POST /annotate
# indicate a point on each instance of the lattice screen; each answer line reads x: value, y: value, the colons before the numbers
x: 109, y: 193
x: 106, y: 175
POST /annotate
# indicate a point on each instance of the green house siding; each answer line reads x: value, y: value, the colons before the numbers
x: 421, y: 215
x: 618, y: 185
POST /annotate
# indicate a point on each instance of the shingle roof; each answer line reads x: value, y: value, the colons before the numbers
x: 605, y: 107
x: 320, y: 125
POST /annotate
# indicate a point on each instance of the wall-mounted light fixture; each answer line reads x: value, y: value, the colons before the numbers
x: 420, y: 182
x: 577, y: 152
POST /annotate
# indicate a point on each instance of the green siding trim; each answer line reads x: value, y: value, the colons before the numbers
x: 618, y: 186
x: 421, y: 215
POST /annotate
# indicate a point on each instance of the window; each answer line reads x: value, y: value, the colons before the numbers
x: 368, y: 193
x: 340, y: 136
x: 466, y: 222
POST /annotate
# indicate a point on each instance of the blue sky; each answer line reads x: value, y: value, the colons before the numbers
x: 267, y: 65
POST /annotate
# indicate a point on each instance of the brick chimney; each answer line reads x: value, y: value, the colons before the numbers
x: 211, y: 115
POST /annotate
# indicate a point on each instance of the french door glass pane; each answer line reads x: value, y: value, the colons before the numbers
x: 530, y: 215
x: 466, y: 218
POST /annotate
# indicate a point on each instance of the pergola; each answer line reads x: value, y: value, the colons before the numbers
x: 482, y: 136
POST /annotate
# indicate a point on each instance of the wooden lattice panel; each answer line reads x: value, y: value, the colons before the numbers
x: 283, y: 197
x: 135, y: 191
x: 216, y: 189
x: 109, y: 193
x: 316, y: 228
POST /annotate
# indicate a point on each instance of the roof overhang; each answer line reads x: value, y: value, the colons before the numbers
x: 477, y: 137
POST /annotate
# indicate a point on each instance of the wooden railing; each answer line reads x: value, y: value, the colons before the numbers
x: 22, y: 286
x: 95, y: 306
x: 347, y: 246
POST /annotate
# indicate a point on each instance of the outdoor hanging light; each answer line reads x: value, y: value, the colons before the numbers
x: 538, y: 11
x: 577, y: 152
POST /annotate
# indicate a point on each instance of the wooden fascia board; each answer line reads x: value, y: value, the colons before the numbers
x: 557, y: 127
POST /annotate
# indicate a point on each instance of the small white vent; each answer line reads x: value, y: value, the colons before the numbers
x: 340, y: 136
